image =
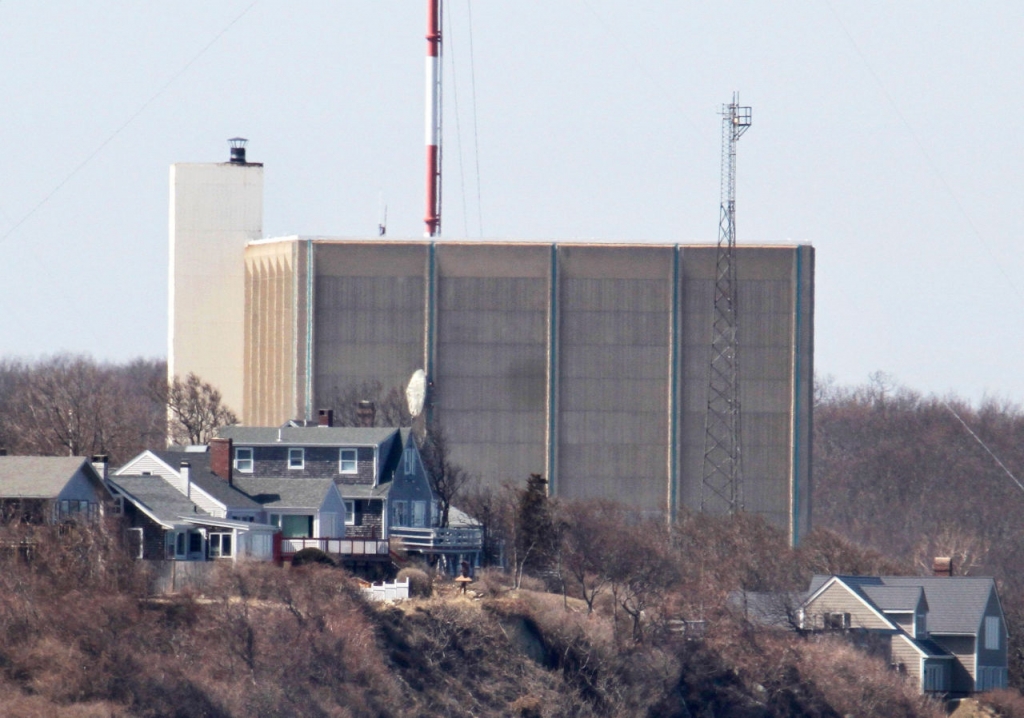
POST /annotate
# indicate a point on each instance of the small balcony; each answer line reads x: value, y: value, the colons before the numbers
x: 437, y: 540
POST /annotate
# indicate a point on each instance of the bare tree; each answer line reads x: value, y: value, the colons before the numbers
x: 195, y: 409
x: 390, y: 405
x: 447, y: 478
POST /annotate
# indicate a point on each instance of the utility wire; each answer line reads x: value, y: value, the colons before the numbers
x: 928, y: 158
x: 110, y: 138
x: 476, y: 142
x: 458, y: 126
x: 984, y: 446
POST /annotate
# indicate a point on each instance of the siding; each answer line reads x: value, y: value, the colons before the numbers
x: 321, y: 462
x: 146, y: 464
x: 837, y: 598
x: 369, y: 520
x: 996, y: 658
x: 903, y: 651
x: 962, y: 680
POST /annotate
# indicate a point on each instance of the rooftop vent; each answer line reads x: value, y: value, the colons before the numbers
x: 237, y: 150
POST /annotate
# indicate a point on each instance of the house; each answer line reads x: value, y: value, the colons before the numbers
x: 164, y: 524
x: 379, y: 473
x: 947, y: 633
x: 52, y: 489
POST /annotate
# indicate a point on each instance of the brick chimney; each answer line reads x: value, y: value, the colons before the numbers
x: 221, y: 460
x: 327, y: 417
x: 366, y: 412
x: 942, y: 566
x: 99, y: 462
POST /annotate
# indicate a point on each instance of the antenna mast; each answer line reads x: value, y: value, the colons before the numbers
x: 433, y: 119
x: 722, y: 485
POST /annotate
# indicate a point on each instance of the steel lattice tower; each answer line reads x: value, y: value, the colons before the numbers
x: 722, y: 478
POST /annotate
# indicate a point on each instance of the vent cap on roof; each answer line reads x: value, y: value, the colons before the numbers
x: 237, y: 150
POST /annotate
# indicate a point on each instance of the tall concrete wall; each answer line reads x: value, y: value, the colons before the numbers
x: 215, y: 210
x: 587, y: 363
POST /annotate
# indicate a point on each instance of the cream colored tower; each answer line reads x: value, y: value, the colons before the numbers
x: 215, y: 209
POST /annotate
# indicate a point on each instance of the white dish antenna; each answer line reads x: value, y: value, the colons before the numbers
x: 416, y: 392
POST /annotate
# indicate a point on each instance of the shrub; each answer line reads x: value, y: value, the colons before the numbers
x: 312, y: 557
x: 420, y: 583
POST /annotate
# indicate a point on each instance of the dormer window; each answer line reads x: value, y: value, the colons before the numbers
x: 243, y: 460
x: 347, y: 461
x: 296, y: 458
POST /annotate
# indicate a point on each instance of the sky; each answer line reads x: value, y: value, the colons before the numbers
x: 884, y: 134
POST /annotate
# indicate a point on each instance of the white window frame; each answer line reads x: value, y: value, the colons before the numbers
x: 301, y: 454
x: 342, y: 461
x: 141, y: 548
x: 992, y: 632
x: 244, y: 460
x: 215, y: 541
x: 350, y: 512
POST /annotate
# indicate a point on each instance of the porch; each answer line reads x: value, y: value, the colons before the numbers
x: 285, y: 548
x: 438, y: 540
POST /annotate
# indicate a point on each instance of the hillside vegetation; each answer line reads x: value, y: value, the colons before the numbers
x: 81, y: 637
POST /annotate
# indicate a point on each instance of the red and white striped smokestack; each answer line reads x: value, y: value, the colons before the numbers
x: 433, y: 117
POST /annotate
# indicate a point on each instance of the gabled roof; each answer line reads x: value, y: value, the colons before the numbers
x: 306, y: 436
x: 199, y: 474
x: 286, y: 493
x: 155, y: 497
x: 894, y: 599
x: 38, y: 477
x: 956, y: 604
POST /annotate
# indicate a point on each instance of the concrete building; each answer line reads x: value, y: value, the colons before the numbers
x: 215, y: 210
x: 585, y: 362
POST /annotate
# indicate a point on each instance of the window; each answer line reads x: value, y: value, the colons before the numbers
x: 347, y: 461
x: 296, y: 526
x: 179, y: 544
x: 419, y: 514
x: 275, y: 520
x: 195, y: 542
x: 350, y: 513
x: 296, y: 458
x: 410, y: 461
x: 992, y: 633
x: 220, y: 545
x: 836, y: 621
x: 401, y: 513
x: 243, y: 460
x: 135, y: 544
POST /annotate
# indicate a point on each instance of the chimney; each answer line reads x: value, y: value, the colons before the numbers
x: 185, y: 471
x: 942, y: 566
x: 327, y: 417
x: 237, y: 150
x: 366, y: 412
x: 99, y: 462
x: 221, y: 459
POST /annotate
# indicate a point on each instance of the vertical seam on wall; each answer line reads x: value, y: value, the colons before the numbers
x: 431, y: 318
x: 552, y: 371
x: 673, y: 403
x: 797, y: 351
x: 309, y: 328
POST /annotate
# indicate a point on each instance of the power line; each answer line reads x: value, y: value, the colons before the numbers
x: 458, y: 128
x: 476, y: 142
x: 924, y: 152
x: 92, y: 155
x: 984, y: 446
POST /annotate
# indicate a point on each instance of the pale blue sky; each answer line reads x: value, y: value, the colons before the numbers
x: 884, y: 133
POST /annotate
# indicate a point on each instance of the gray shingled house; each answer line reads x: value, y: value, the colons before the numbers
x: 379, y: 472
x: 51, y: 489
x: 164, y: 524
x: 947, y: 633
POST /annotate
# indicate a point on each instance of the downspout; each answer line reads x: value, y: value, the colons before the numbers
x: 552, y: 372
x: 673, y: 398
x: 309, y: 328
x: 797, y: 379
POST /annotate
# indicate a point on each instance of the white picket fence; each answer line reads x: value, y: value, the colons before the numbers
x: 395, y: 591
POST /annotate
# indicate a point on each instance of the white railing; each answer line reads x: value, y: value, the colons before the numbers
x: 435, y: 539
x: 343, y: 546
x: 397, y: 591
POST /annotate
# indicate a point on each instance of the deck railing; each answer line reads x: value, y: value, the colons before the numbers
x: 343, y: 546
x: 437, y: 539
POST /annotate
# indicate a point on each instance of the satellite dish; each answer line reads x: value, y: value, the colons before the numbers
x: 416, y: 392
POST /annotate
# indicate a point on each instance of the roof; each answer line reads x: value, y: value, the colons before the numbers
x: 157, y: 497
x: 37, y: 477
x: 199, y: 474
x: 955, y: 603
x: 306, y: 436
x: 362, y: 491
x: 286, y: 493
x: 902, y: 599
